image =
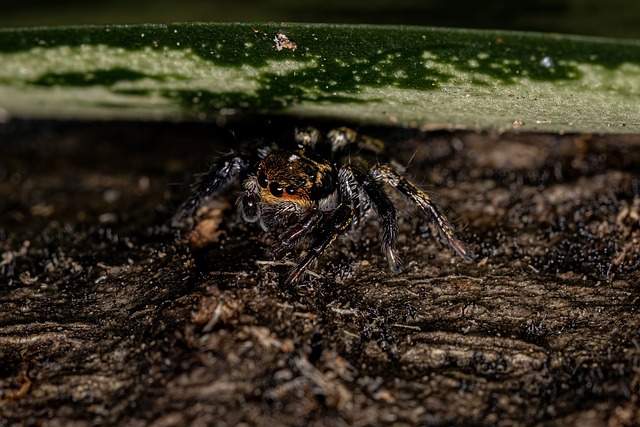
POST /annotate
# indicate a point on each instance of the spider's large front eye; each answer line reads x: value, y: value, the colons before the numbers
x: 276, y: 189
x: 262, y: 180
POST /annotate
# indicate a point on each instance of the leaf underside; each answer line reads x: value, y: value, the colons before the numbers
x: 421, y: 77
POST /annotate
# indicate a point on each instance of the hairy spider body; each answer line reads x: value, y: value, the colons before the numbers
x: 317, y: 191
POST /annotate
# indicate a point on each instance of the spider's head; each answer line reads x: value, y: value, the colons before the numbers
x: 298, y: 177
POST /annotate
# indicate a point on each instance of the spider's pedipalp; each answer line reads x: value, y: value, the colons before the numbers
x: 386, y: 212
x: 426, y: 205
x: 226, y: 170
x: 249, y: 207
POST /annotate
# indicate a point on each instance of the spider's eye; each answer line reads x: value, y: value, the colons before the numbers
x: 276, y: 189
x: 262, y: 180
x: 291, y: 190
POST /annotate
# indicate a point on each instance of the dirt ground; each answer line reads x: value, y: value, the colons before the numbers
x: 106, y: 319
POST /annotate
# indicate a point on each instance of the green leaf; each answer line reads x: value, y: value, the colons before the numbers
x: 412, y: 76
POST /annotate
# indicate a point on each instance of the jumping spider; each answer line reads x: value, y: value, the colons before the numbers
x: 315, y: 192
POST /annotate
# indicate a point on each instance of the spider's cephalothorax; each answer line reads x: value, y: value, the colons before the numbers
x: 288, y: 185
x: 316, y: 192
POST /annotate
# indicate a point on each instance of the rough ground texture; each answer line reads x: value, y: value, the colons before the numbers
x: 106, y: 319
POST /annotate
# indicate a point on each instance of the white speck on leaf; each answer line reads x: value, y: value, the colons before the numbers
x: 284, y: 42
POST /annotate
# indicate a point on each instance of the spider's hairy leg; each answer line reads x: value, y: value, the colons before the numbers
x: 337, y: 224
x: 226, y: 170
x: 428, y: 207
x: 385, y: 211
x: 332, y: 224
x: 307, y: 137
x: 295, y: 233
x: 341, y: 138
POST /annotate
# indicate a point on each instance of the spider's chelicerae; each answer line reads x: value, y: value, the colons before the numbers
x: 316, y: 191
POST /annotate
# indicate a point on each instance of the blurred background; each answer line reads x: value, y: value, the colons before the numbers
x: 615, y: 18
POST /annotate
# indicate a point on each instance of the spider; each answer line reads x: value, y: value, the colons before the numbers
x: 321, y: 188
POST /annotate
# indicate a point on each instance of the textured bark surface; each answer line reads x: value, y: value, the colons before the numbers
x: 106, y: 319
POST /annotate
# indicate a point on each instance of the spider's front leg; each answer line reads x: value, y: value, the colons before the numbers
x: 225, y: 171
x: 428, y: 207
x: 295, y: 233
x: 337, y: 224
x: 330, y: 224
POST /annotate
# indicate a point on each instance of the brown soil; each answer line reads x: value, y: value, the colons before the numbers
x: 106, y: 320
